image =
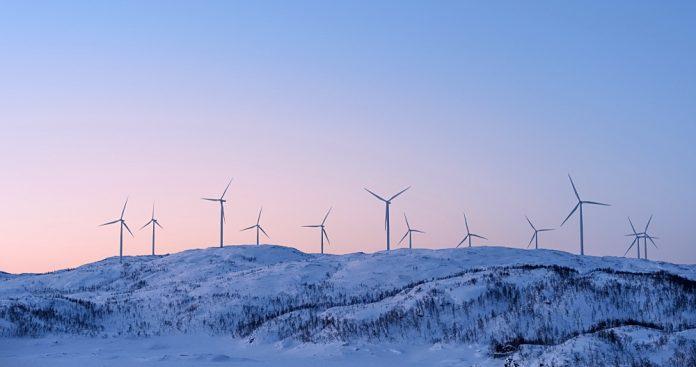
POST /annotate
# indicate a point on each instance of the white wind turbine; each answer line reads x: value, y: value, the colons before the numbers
x: 580, y: 205
x: 387, y: 202
x: 155, y: 223
x: 469, y: 235
x: 409, y: 233
x: 222, y: 202
x: 535, y: 236
x: 258, y: 228
x: 123, y: 224
x: 323, y: 233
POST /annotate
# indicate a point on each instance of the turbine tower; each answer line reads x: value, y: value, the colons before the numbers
x: 387, y: 202
x: 535, y: 236
x: 258, y: 228
x: 636, y: 240
x: 122, y: 223
x: 469, y: 235
x: 580, y: 205
x: 222, y: 202
x: 409, y: 233
x: 323, y: 230
x: 155, y: 223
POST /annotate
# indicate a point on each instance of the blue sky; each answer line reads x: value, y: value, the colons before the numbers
x: 483, y: 107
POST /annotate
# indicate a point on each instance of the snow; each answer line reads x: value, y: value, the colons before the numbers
x: 271, y: 305
x: 203, y: 350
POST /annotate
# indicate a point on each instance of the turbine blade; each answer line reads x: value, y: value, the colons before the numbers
x: 595, y: 203
x: 209, y: 199
x: 399, y: 193
x: 630, y: 247
x: 530, y: 222
x: 323, y: 231
x: 648, y: 224
x: 112, y: 222
x: 312, y: 226
x: 123, y: 211
x: 571, y: 213
x: 326, y: 216
x: 145, y: 225
x: 466, y: 223
x: 545, y: 230
x: 407, y: 224
x: 532, y: 240
x: 259, y: 217
x: 632, y: 227
x: 247, y: 228
x: 653, y: 242
x: 225, y: 192
x: 481, y: 237
x: 377, y: 196
x: 574, y: 189
x: 158, y: 225
x: 460, y: 243
x: 129, y: 231
x: 404, y: 237
x: 264, y: 232
x: 417, y: 231
x: 153, y: 211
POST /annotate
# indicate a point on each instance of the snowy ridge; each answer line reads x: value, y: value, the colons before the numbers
x: 526, y: 305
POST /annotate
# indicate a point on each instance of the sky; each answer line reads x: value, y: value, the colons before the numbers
x: 480, y: 107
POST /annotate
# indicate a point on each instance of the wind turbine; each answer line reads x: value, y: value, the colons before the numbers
x: 636, y: 240
x: 323, y: 230
x: 535, y: 236
x: 258, y: 228
x: 580, y: 205
x: 409, y: 233
x: 122, y: 223
x: 647, y: 237
x: 155, y: 223
x: 222, y: 201
x: 469, y: 235
x: 387, y: 202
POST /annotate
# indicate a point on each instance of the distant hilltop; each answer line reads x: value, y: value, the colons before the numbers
x: 515, y: 301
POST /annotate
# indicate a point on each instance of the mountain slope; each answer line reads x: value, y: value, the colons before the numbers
x: 523, y: 304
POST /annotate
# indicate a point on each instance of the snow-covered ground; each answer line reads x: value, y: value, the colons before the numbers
x: 273, y: 305
x: 204, y: 350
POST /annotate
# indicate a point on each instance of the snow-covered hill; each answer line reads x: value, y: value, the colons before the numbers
x: 529, y: 307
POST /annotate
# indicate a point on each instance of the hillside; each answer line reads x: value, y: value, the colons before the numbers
x: 523, y: 306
